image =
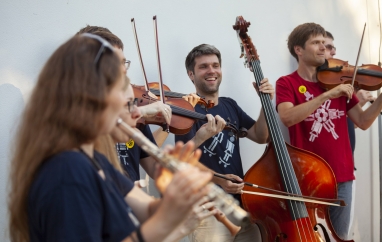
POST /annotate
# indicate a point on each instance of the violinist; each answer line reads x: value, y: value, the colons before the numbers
x: 316, y: 119
x: 130, y: 155
x: 220, y: 148
x: 362, y: 95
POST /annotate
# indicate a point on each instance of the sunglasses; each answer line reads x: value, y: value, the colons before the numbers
x: 330, y: 47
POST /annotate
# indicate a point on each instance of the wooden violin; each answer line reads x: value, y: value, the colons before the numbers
x: 287, y: 168
x: 154, y: 89
x: 335, y: 72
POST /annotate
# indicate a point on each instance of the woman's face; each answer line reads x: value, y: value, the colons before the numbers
x: 128, y: 117
x: 115, y: 100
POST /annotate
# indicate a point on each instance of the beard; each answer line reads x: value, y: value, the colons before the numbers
x: 203, y: 87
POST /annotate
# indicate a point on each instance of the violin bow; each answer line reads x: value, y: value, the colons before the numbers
x: 161, y: 92
x: 285, y: 195
x: 139, y: 54
x: 356, y: 62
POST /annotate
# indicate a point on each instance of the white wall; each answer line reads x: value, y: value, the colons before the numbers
x: 32, y: 30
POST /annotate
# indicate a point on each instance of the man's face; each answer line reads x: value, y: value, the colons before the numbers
x: 314, y: 52
x: 330, y: 50
x: 207, y: 74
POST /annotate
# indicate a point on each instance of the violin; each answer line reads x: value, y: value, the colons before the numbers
x: 154, y: 88
x: 287, y: 168
x: 224, y: 202
x: 183, y: 115
x: 183, y: 112
x: 335, y: 72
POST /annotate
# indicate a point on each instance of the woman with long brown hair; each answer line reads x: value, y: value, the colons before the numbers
x: 63, y: 190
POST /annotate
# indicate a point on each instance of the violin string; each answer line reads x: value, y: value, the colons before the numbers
x: 281, y: 151
x: 196, y: 115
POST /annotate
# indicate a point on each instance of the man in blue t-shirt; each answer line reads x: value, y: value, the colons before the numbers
x: 220, y: 148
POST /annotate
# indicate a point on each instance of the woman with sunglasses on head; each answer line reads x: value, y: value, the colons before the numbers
x: 63, y: 190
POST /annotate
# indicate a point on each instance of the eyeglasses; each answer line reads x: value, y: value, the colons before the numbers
x: 330, y: 47
x: 126, y: 63
x: 104, y: 44
x: 132, y: 104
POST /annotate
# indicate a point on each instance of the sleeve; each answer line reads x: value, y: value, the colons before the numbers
x: 146, y: 132
x: 283, y: 92
x: 186, y: 137
x: 353, y: 101
x: 72, y: 213
x: 244, y: 119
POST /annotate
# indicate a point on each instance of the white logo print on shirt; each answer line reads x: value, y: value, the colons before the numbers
x: 322, y: 117
x: 217, y: 139
x: 228, y: 151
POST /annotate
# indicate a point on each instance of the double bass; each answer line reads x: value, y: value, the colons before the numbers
x: 287, y: 168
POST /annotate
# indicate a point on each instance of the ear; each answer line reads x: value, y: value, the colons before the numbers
x: 191, y: 75
x: 297, y: 50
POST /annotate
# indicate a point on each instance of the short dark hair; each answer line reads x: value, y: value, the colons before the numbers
x: 329, y: 35
x: 103, y: 33
x: 200, y: 50
x: 301, y: 34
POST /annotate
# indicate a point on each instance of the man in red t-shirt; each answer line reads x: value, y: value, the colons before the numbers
x: 316, y: 118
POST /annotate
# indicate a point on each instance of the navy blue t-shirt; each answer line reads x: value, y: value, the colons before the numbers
x: 69, y: 201
x: 130, y: 154
x: 221, y: 152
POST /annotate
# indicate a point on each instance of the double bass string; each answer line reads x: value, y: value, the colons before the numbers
x: 283, y: 157
x: 290, y: 181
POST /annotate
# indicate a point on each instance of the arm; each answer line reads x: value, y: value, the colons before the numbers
x: 148, y: 164
x: 364, y: 119
x: 291, y: 115
x: 259, y: 131
x: 364, y: 97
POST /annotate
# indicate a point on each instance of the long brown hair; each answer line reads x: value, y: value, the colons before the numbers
x: 106, y: 145
x: 63, y: 112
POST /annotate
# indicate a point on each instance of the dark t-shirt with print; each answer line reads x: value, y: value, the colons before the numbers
x: 221, y: 152
x: 130, y: 154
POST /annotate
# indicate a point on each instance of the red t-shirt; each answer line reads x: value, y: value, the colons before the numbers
x: 324, y: 132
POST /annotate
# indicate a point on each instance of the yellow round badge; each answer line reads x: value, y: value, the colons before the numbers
x: 302, y: 89
x: 130, y: 144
